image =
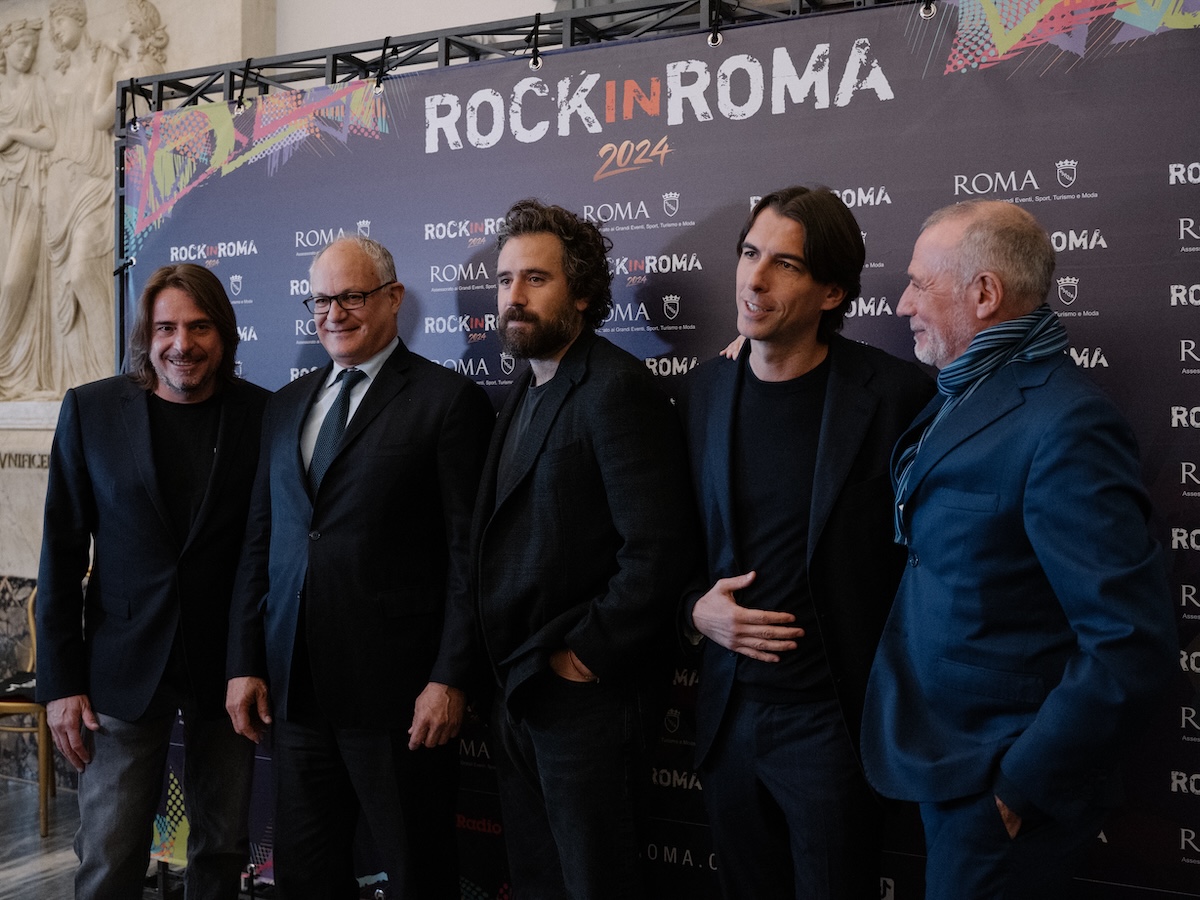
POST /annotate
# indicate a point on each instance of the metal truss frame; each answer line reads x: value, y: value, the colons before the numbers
x: 526, y: 37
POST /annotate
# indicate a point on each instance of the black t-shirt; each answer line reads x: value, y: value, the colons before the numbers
x: 184, y: 441
x: 774, y: 459
x: 184, y: 437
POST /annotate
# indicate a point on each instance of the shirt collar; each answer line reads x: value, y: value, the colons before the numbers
x: 371, y: 366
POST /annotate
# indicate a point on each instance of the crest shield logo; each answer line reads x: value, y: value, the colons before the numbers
x: 507, y: 363
x: 235, y: 284
x: 671, y: 306
x: 1066, y: 172
x: 671, y: 721
x: 1068, y: 290
x: 364, y: 227
x: 671, y: 202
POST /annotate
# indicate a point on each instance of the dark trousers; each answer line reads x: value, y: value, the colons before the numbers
x: 791, y: 813
x: 969, y: 855
x: 327, y: 778
x: 568, y: 772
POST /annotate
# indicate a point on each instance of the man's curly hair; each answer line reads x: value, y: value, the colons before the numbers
x: 584, y: 257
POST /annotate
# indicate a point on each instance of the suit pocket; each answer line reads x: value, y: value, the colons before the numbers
x: 552, y: 456
x: 995, y: 684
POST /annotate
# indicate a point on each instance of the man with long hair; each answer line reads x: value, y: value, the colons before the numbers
x: 150, y: 476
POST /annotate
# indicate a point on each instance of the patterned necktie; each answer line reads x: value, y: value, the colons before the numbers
x: 332, y: 428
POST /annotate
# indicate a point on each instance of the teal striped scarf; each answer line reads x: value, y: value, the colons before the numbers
x: 1037, y: 335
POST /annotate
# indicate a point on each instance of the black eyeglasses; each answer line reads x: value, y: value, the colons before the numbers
x: 347, y: 301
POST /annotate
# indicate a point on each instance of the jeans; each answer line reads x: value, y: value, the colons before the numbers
x: 118, y: 798
x: 568, y: 770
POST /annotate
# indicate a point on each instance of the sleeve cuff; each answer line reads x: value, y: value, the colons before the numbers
x: 1017, y: 801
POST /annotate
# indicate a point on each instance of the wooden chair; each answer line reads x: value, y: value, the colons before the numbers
x: 16, y: 699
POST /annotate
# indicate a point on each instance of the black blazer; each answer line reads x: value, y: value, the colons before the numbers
x: 592, y: 542
x: 145, y: 583
x: 375, y: 553
x: 853, y: 563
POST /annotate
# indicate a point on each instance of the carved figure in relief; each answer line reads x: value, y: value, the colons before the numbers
x: 79, y: 200
x: 143, y: 39
x: 26, y: 137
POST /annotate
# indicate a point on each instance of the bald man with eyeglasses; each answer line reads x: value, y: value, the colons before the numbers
x: 343, y: 640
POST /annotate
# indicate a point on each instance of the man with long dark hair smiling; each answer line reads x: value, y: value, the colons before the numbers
x: 151, y: 472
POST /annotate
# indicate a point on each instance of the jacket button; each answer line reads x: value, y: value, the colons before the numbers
x: 314, y: 535
x: 913, y: 560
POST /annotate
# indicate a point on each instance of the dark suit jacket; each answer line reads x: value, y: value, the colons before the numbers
x: 374, y: 554
x: 103, y: 487
x: 853, y: 564
x: 1033, y: 624
x: 590, y: 545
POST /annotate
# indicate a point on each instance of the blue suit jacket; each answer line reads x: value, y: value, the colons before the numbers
x: 853, y: 565
x: 1033, y: 622
x: 375, y: 553
x: 146, y: 582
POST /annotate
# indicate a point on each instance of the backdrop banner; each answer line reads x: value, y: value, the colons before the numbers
x: 1087, y: 113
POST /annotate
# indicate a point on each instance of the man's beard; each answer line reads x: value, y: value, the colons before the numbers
x: 540, y: 338
x: 186, y: 385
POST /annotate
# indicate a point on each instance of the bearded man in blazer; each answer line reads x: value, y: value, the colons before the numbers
x: 151, y: 471
x: 581, y: 543
x: 1033, y: 629
x: 789, y: 446
x: 341, y: 637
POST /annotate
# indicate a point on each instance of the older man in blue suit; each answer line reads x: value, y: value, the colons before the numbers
x: 1033, y: 625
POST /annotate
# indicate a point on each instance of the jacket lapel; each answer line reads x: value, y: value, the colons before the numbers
x: 135, y: 412
x: 390, y: 381
x: 486, y: 503
x: 994, y: 399
x: 721, y: 427
x: 848, y: 409
x: 294, y: 428
x: 230, y: 425
x: 571, y: 370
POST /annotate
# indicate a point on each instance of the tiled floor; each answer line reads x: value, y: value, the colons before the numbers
x: 34, y: 867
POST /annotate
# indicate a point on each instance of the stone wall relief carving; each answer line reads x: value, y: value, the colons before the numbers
x: 56, y: 191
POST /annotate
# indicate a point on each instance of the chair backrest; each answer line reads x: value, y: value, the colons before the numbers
x: 17, y: 689
x: 30, y: 606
